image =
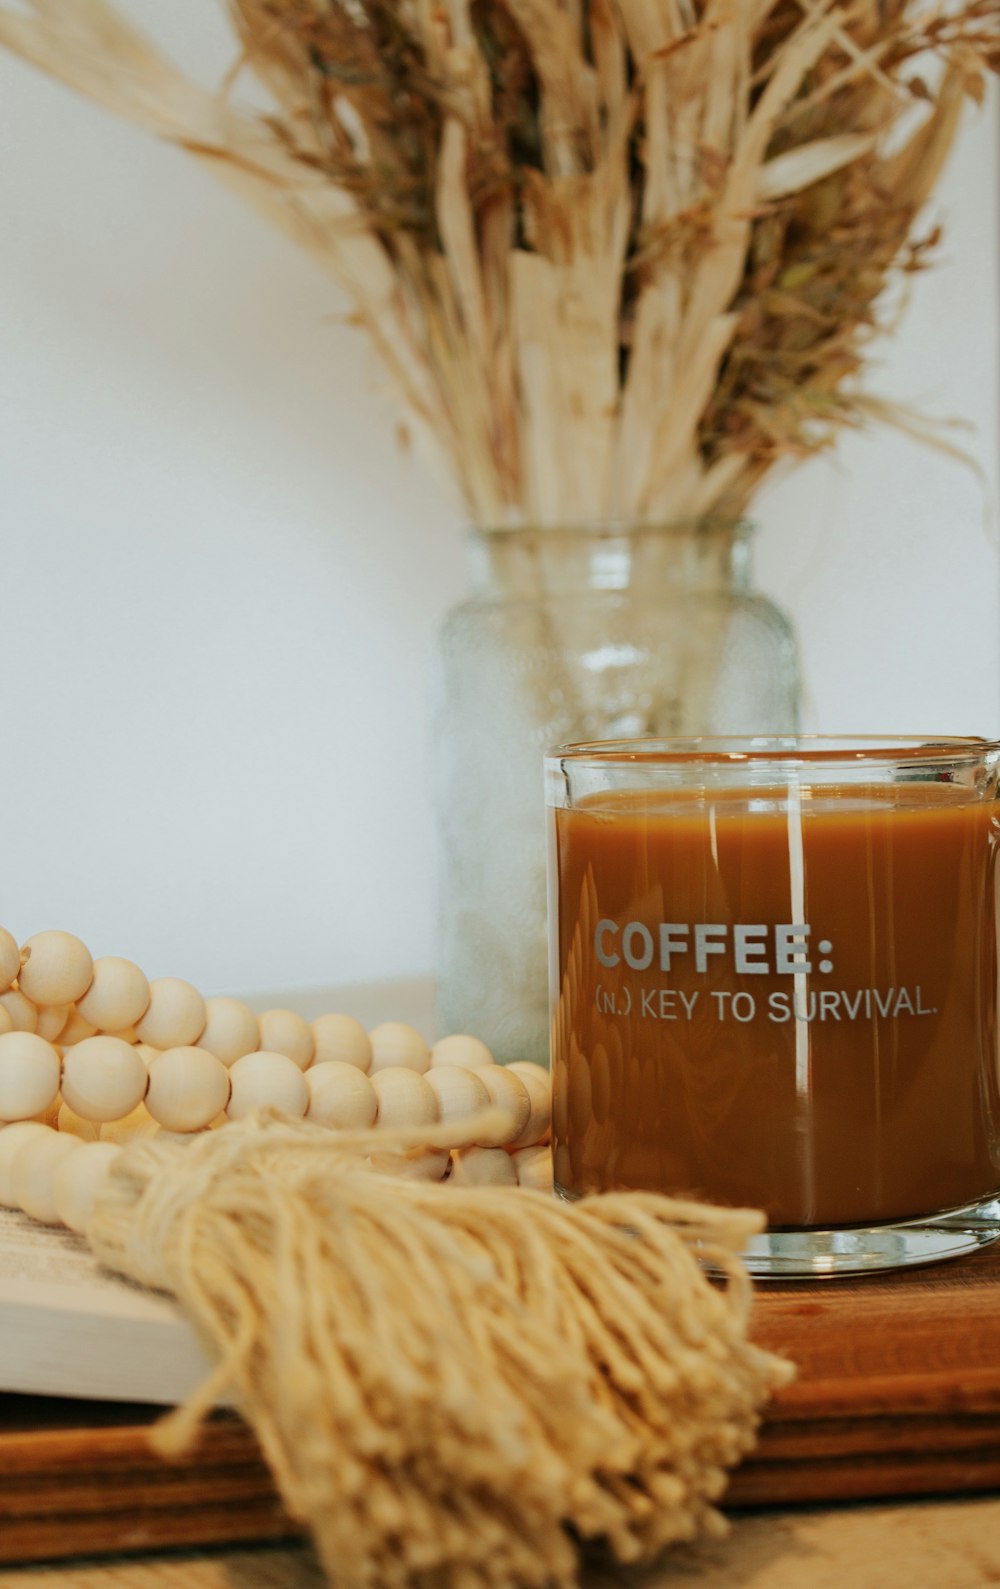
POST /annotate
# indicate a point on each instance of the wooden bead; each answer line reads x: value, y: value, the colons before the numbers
x: 176, y: 1014
x: 49, y: 1116
x: 460, y: 1049
x: 33, y: 1174
x: 147, y: 1053
x: 76, y: 1030
x: 29, y: 1075
x: 404, y: 1098
x: 187, y: 1088
x: 231, y: 1030
x: 267, y: 1081
x: 539, y: 1084
x: 51, y: 1020
x: 75, y: 1125
x: 341, y: 1095
x: 509, y: 1096
x: 397, y: 1046
x: 482, y: 1167
x: 342, y: 1038
x: 117, y: 997
x: 6, y: 1024
x: 284, y: 1032
x: 459, y: 1093
x: 534, y: 1168
x: 56, y: 968
x: 430, y: 1166
x: 12, y: 1140
x: 10, y: 959
x: 132, y: 1128
x: 103, y: 1078
x: 21, y: 1012
x: 78, y: 1179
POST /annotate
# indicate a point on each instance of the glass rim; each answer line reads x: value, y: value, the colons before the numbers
x: 766, y: 750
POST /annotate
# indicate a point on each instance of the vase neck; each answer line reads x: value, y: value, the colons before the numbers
x: 703, y: 555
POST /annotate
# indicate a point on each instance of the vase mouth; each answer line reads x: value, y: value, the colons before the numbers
x: 690, y: 555
x: 705, y: 526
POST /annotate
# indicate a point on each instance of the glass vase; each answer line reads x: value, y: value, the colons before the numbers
x: 570, y: 634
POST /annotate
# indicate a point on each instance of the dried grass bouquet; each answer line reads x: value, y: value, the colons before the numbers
x: 618, y: 256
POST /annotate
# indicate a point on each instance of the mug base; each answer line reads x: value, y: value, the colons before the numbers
x: 806, y: 1254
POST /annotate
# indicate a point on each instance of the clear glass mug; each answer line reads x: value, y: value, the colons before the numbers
x: 773, y: 972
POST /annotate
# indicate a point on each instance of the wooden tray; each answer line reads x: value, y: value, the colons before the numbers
x: 898, y: 1394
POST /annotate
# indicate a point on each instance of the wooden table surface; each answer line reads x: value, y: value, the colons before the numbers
x: 947, y: 1543
x: 917, y: 1545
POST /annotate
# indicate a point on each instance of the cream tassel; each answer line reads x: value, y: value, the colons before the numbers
x: 457, y: 1387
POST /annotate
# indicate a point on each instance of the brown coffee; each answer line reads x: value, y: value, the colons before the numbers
x: 782, y: 1001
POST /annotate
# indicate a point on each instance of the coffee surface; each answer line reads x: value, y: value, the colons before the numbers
x: 783, y: 1001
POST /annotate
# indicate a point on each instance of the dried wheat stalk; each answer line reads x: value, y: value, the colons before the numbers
x: 618, y: 256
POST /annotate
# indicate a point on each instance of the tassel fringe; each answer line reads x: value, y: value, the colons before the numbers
x: 452, y: 1387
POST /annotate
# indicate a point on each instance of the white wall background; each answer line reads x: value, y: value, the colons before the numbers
x: 221, y: 578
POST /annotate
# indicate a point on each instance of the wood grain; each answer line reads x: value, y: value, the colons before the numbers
x: 244, y: 1567
x: 898, y: 1391
x: 898, y: 1394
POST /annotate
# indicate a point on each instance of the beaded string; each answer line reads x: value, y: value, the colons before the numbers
x: 93, y: 1055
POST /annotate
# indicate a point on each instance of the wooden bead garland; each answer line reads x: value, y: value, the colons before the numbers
x: 139, y: 1123
x: 483, y: 1167
x: 29, y: 1075
x: 51, y: 1020
x: 284, y: 1032
x: 176, y: 1014
x: 76, y: 1180
x: 341, y: 1037
x: 539, y: 1088
x: 396, y: 1046
x: 509, y: 1096
x: 92, y: 1056
x: 10, y: 959
x: 188, y: 1087
x: 231, y: 1030
x: 75, y: 1125
x: 32, y: 1174
x: 76, y: 1030
x: 341, y: 1095
x: 459, y: 1093
x: 12, y: 1139
x: 266, y: 1080
x: 117, y: 997
x: 404, y: 1098
x: 22, y: 1014
x: 103, y: 1078
x: 470, y: 1053
x: 56, y: 968
x: 534, y: 1167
